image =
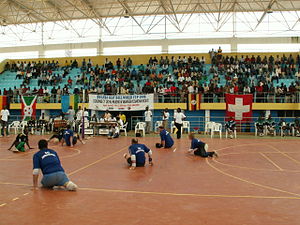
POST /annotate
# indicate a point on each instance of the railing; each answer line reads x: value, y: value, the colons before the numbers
x: 197, y: 123
x: 174, y: 98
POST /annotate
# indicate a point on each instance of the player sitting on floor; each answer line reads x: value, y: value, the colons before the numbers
x: 230, y: 127
x: 70, y: 137
x: 57, y: 136
x: 114, y: 132
x: 20, y: 142
x: 199, y: 148
x: 260, y: 126
x: 270, y: 125
x: 48, y: 162
x: 136, y: 156
x: 166, y: 139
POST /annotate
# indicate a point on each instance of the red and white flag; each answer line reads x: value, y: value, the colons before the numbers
x: 28, y: 109
x: 239, y: 107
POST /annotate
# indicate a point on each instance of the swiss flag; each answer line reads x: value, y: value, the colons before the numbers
x: 239, y: 107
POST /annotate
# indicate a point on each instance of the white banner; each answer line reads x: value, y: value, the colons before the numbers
x: 121, y: 102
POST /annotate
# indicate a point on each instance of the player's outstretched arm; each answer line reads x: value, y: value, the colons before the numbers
x: 150, y: 158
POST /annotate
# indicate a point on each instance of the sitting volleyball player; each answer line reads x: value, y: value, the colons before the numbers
x: 230, y: 127
x: 199, y: 148
x: 70, y: 137
x: 20, y: 142
x: 166, y: 139
x: 114, y: 132
x: 136, y: 156
x: 57, y: 136
x: 47, y: 161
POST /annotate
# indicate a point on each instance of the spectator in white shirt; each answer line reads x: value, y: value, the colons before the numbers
x: 178, y: 119
x: 148, y: 119
x: 4, y: 120
x: 166, y: 116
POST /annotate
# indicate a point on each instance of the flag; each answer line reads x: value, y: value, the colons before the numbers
x: 4, y: 102
x: 194, y: 102
x: 69, y: 100
x: 28, y: 107
x: 239, y: 107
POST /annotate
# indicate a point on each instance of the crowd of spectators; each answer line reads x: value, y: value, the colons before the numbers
x: 171, y: 78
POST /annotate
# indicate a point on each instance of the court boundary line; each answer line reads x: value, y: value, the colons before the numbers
x: 77, y: 152
x: 171, y: 193
x: 283, y: 153
x: 97, y: 161
x: 250, y: 182
x: 271, y: 161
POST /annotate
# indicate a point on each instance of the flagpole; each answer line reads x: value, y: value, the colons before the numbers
x: 83, y: 119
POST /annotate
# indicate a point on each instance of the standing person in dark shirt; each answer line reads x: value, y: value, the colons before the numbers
x: 136, y: 156
x: 47, y: 161
x: 20, y: 142
x: 199, y: 148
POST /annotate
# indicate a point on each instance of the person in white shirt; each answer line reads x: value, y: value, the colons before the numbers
x: 148, y: 119
x: 166, y: 116
x: 4, y: 120
x: 178, y: 119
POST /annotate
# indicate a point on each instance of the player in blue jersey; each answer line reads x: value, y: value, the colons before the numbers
x: 68, y: 137
x: 47, y: 161
x: 199, y: 148
x: 166, y: 139
x: 136, y: 156
x: 230, y: 127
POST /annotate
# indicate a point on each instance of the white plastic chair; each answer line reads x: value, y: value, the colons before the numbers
x: 208, y: 127
x: 186, y: 125
x: 157, y: 125
x: 217, y: 127
x: 14, y: 125
x: 234, y: 133
x: 124, y: 128
x: 140, y: 126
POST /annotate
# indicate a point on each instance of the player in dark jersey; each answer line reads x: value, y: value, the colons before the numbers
x: 136, y: 156
x: 20, y: 142
x: 199, y: 148
x: 166, y: 139
x: 59, y: 135
x: 47, y: 161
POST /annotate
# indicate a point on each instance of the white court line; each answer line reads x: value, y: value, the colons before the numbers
x: 175, y: 150
x: 3, y: 204
x: 15, y: 199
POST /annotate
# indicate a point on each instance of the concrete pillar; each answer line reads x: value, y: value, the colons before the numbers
x: 42, y: 51
x: 233, y: 45
x: 100, y: 47
x: 165, y: 46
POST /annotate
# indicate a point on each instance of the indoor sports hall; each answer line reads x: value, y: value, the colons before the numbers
x: 158, y: 112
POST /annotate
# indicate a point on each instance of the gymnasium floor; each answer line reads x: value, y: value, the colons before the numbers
x: 254, y: 181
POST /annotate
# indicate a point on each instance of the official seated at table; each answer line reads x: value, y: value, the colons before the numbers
x: 107, y: 116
